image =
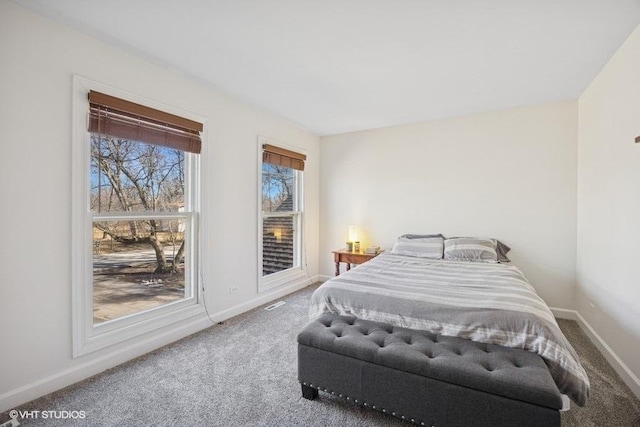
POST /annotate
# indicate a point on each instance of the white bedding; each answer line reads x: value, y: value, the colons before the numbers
x: 484, y: 302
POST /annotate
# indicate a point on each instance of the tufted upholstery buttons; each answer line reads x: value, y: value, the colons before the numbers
x: 484, y: 367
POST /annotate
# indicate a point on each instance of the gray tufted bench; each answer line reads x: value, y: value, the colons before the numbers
x: 425, y: 378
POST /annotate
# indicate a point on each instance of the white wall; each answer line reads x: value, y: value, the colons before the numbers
x: 608, y: 262
x: 509, y: 174
x: 38, y: 59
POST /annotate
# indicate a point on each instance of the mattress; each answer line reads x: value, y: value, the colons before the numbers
x: 484, y: 302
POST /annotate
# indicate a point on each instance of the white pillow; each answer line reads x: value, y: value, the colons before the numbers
x: 424, y: 247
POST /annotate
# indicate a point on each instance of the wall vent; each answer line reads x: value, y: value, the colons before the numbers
x: 275, y: 305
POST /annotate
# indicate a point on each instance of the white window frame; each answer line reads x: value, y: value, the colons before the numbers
x: 298, y: 271
x: 88, y: 337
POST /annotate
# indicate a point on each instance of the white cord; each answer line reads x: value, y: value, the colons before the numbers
x: 306, y: 271
x: 204, y: 302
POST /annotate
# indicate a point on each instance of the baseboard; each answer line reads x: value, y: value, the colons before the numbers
x: 629, y: 378
x: 620, y: 367
x: 14, y: 398
x: 323, y: 277
x: 263, y: 298
x: 563, y: 313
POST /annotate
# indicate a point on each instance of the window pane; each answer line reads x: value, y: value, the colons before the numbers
x: 135, y: 267
x: 130, y: 176
x: 277, y: 244
x: 278, y: 188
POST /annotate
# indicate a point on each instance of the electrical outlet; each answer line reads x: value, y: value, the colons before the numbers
x: 233, y: 290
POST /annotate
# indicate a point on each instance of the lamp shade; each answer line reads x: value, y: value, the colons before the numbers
x: 353, y: 233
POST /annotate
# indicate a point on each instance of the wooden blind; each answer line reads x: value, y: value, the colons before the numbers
x: 281, y: 157
x: 119, y: 118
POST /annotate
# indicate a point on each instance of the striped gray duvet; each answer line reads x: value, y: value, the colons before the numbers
x: 490, y: 303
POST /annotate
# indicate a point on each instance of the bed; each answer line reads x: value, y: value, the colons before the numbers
x: 475, y: 304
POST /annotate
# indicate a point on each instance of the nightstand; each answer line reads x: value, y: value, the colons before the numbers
x: 349, y: 257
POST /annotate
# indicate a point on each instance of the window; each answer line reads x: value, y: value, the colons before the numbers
x: 136, y: 209
x: 140, y: 221
x: 281, y: 215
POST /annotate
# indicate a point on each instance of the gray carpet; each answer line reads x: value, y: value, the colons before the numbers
x: 244, y: 373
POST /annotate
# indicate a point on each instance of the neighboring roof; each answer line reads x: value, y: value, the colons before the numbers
x: 277, y: 247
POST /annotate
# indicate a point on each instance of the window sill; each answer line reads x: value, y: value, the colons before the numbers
x: 281, y: 278
x: 100, y: 340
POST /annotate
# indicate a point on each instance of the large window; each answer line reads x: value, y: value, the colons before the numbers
x: 141, y: 227
x: 281, y: 215
x: 137, y: 240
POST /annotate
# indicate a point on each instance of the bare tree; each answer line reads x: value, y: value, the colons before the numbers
x: 129, y: 176
x: 277, y: 183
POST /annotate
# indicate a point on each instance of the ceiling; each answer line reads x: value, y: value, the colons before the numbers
x: 335, y: 66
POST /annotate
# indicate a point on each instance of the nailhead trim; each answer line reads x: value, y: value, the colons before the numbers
x: 383, y: 410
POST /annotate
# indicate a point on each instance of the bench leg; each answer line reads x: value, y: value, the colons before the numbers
x: 309, y: 392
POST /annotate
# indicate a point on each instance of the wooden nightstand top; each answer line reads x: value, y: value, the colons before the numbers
x: 350, y: 257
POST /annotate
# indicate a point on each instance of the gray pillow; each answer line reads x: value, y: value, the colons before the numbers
x: 502, y: 250
x: 420, y: 236
x: 470, y: 249
x: 421, y: 247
